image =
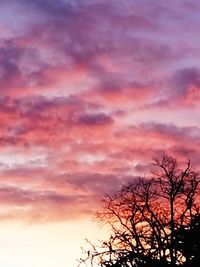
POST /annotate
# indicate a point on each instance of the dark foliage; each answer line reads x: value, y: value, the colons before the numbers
x: 188, y: 241
x: 154, y: 222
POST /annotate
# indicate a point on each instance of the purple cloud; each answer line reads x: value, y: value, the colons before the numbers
x: 185, y: 78
x: 94, y: 119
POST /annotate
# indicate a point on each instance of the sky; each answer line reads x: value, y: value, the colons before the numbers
x: 91, y: 92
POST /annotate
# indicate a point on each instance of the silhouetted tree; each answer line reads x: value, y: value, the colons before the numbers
x: 154, y: 221
x: 188, y: 241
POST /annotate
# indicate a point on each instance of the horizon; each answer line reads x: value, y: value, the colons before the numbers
x: 91, y: 92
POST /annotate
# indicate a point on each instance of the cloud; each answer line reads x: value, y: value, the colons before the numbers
x: 37, y: 206
x: 185, y: 78
x: 94, y: 119
x: 39, y: 120
x: 91, y: 91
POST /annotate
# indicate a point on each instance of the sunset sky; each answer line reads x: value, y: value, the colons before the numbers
x: 91, y: 92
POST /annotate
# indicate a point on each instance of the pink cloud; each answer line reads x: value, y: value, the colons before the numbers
x: 91, y: 92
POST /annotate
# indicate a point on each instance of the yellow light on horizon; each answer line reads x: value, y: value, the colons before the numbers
x: 47, y: 244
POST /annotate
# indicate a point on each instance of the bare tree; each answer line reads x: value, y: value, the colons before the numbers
x: 146, y: 218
